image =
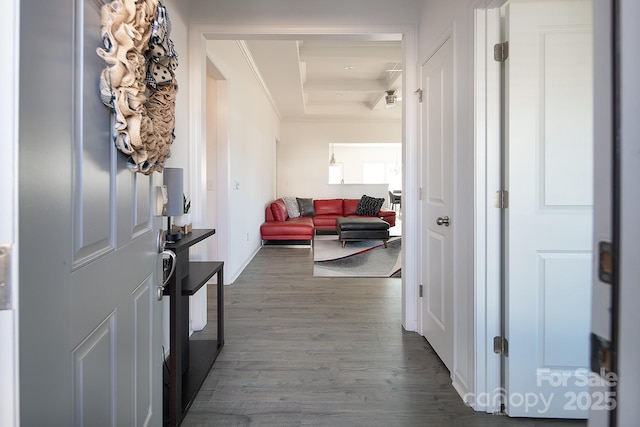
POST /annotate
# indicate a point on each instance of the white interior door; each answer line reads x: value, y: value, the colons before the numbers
x: 437, y: 202
x: 8, y: 221
x: 549, y: 152
x: 90, y: 350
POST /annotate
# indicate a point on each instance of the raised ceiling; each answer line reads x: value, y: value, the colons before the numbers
x: 321, y: 79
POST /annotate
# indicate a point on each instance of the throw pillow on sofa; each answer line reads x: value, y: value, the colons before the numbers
x: 293, y: 210
x: 369, y: 206
x: 279, y: 210
x: 306, y: 207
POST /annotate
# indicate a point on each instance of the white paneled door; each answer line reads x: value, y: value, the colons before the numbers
x: 437, y: 202
x: 549, y: 146
x: 90, y: 347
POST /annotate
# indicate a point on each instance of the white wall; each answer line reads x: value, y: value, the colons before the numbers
x: 303, y: 153
x: 438, y: 20
x: 252, y: 131
x: 304, y: 12
x: 179, y: 14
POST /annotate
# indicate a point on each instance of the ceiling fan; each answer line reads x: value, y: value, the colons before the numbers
x: 391, y: 98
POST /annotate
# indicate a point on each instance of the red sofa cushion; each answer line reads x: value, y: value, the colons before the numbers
x: 328, y: 207
x: 292, y: 229
x: 349, y: 206
x: 279, y: 210
x: 325, y: 222
x: 389, y: 216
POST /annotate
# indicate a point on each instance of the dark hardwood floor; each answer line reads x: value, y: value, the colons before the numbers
x: 305, y: 351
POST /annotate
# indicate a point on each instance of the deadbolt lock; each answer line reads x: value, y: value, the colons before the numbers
x: 443, y: 220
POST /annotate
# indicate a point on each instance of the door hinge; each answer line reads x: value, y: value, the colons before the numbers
x: 5, y: 277
x: 420, y: 193
x: 501, y: 51
x: 605, y: 262
x: 501, y: 346
x: 420, y: 291
x: 501, y: 199
x: 419, y: 92
x: 601, y: 355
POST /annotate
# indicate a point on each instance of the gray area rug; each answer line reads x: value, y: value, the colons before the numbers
x: 358, y: 259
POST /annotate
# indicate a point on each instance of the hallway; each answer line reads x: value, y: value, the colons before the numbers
x: 312, y: 351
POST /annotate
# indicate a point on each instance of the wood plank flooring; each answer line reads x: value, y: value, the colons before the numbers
x: 305, y: 351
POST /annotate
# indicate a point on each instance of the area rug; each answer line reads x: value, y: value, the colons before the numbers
x: 358, y: 259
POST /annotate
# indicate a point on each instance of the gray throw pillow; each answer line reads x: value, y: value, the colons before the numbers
x: 369, y: 206
x: 306, y: 207
x: 292, y: 206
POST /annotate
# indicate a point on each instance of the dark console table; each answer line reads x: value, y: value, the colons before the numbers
x: 189, y: 359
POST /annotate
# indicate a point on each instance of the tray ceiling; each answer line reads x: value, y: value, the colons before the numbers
x: 320, y: 79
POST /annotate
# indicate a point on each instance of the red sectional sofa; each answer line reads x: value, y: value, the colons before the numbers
x: 278, y: 225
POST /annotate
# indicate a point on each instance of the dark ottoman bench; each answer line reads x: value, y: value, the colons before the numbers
x: 356, y: 229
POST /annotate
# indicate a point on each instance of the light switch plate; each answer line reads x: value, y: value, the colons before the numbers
x: 161, y: 200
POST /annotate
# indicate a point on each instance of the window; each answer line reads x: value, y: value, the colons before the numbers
x: 366, y: 163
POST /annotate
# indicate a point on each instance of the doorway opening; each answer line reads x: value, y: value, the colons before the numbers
x: 205, y: 33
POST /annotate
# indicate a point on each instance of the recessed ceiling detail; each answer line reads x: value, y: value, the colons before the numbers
x: 328, y: 79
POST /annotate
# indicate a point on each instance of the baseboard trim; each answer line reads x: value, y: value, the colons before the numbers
x: 463, y: 390
x: 243, y: 266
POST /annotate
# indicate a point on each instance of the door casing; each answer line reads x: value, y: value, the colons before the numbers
x: 9, y: 357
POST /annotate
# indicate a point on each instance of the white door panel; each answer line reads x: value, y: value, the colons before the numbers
x: 549, y: 151
x: 89, y: 320
x: 437, y: 202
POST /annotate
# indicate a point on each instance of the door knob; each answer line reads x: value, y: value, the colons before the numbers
x: 443, y: 220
